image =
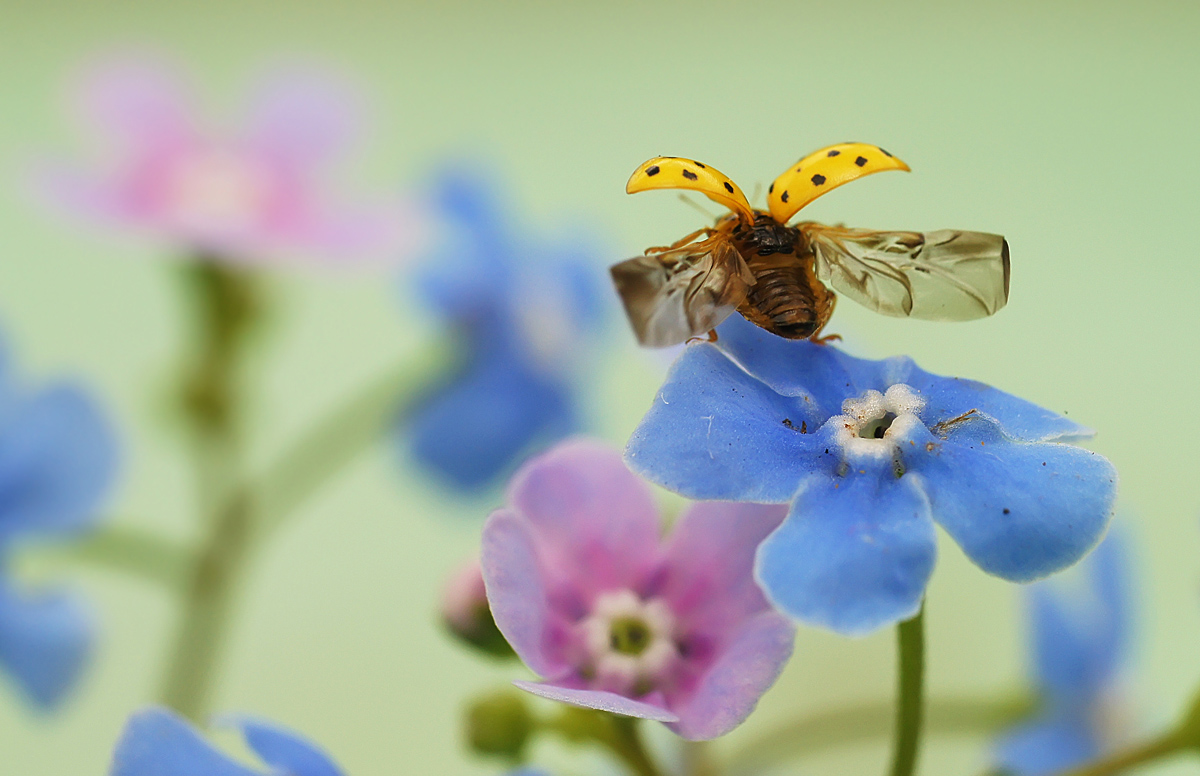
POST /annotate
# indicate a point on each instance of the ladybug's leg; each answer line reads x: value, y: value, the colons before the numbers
x: 816, y: 335
x: 706, y: 231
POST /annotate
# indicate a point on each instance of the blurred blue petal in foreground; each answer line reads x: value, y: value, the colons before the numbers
x: 58, y: 458
x: 157, y: 742
x: 1080, y: 629
x: 525, y: 308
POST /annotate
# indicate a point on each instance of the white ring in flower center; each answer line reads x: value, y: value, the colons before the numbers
x: 871, y: 425
x: 629, y: 641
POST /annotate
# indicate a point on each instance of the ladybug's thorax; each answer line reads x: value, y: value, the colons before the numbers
x: 766, y: 236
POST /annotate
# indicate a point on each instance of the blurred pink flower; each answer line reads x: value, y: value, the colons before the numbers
x: 617, y: 619
x: 254, y: 195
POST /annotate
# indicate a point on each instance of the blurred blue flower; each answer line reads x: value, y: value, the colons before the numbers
x: 157, y: 742
x: 522, y: 308
x: 57, y: 461
x: 1079, y: 643
x: 870, y: 455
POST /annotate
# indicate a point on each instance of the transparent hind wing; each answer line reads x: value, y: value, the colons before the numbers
x: 673, y: 296
x: 946, y: 275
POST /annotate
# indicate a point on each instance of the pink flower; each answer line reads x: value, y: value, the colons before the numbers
x: 618, y: 619
x: 253, y: 195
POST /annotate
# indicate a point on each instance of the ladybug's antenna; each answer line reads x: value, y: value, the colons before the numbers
x: 757, y: 191
x: 698, y: 206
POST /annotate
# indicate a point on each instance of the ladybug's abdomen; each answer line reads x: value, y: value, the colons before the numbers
x: 786, y: 298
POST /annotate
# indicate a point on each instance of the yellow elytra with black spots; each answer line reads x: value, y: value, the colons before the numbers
x: 823, y: 171
x: 672, y: 172
x: 783, y: 277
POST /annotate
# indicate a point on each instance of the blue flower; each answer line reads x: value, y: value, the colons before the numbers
x: 521, y: 307
x: 57, y: 460
x: 157, y: 742
x: 1079, y: 643
x: 870, y: 455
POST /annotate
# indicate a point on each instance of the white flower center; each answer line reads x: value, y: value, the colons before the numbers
x: 872, y: 425
x: 629, y: 641
x: 218, y: 190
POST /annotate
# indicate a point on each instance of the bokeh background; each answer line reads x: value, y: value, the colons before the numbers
x: 1071, y: 128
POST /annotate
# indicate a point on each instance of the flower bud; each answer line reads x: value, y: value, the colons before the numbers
x: 499, y: 724
x: 466, y: 614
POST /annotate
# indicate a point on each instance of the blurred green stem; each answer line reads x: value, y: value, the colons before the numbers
x: 1140, y: 754
x: 1185, y: 736
x: 910, y: 669
x: 617, y: 733
x: 224, y: 308
x: 136, y: 552
x: 826, y: 730
x: 241, y: 511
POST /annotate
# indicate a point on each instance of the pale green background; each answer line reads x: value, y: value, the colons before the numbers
x: 1071, y: 129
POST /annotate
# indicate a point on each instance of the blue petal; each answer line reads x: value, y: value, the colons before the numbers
x: 478, y: 426
x: 45, y: 643
x: 799, y: 367
x: 1046, y: 746
x: 157, y: 742
x: 949, y: 397
x: 471, y: 268
x: 823, y: 374
x: 1080, y: 634
x: 1019, y: 510
x: 714, y: 432
x: 281, y: 748
x: 57, y: 459
x: 854, y: 553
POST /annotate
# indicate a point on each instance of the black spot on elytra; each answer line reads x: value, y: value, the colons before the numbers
x: 834, y: 152
x: 885, y: 153
x: 818, y: 180
x: 860, y: 161
x: 729, y: 187
x: 699, y: 164
x: 771, y: 188
x: 691, y: 176
x: 783, y: 197
x: 652, y: 171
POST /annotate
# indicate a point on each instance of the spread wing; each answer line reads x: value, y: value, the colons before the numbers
x: 945, y: 275
x: 682, y: 293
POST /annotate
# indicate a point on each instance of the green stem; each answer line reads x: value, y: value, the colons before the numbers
x: 627, y: 744
x: 206, y: 612
x: 911, y: 692
x: 337, y: 438
x: 827, y: 730
x: 225, y: 309
x: 136, y: 552
x: 1140, y: 754
x: 618, y: 734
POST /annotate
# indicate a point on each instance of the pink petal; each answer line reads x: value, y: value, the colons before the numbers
x: 302, y: 115
x: 730, y: 689
x: 598, y: 699
x: 709, y: 579
x: 79, y: 194
x: 596, y: 521
x: 141, y: 101
x: 516, y: 591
